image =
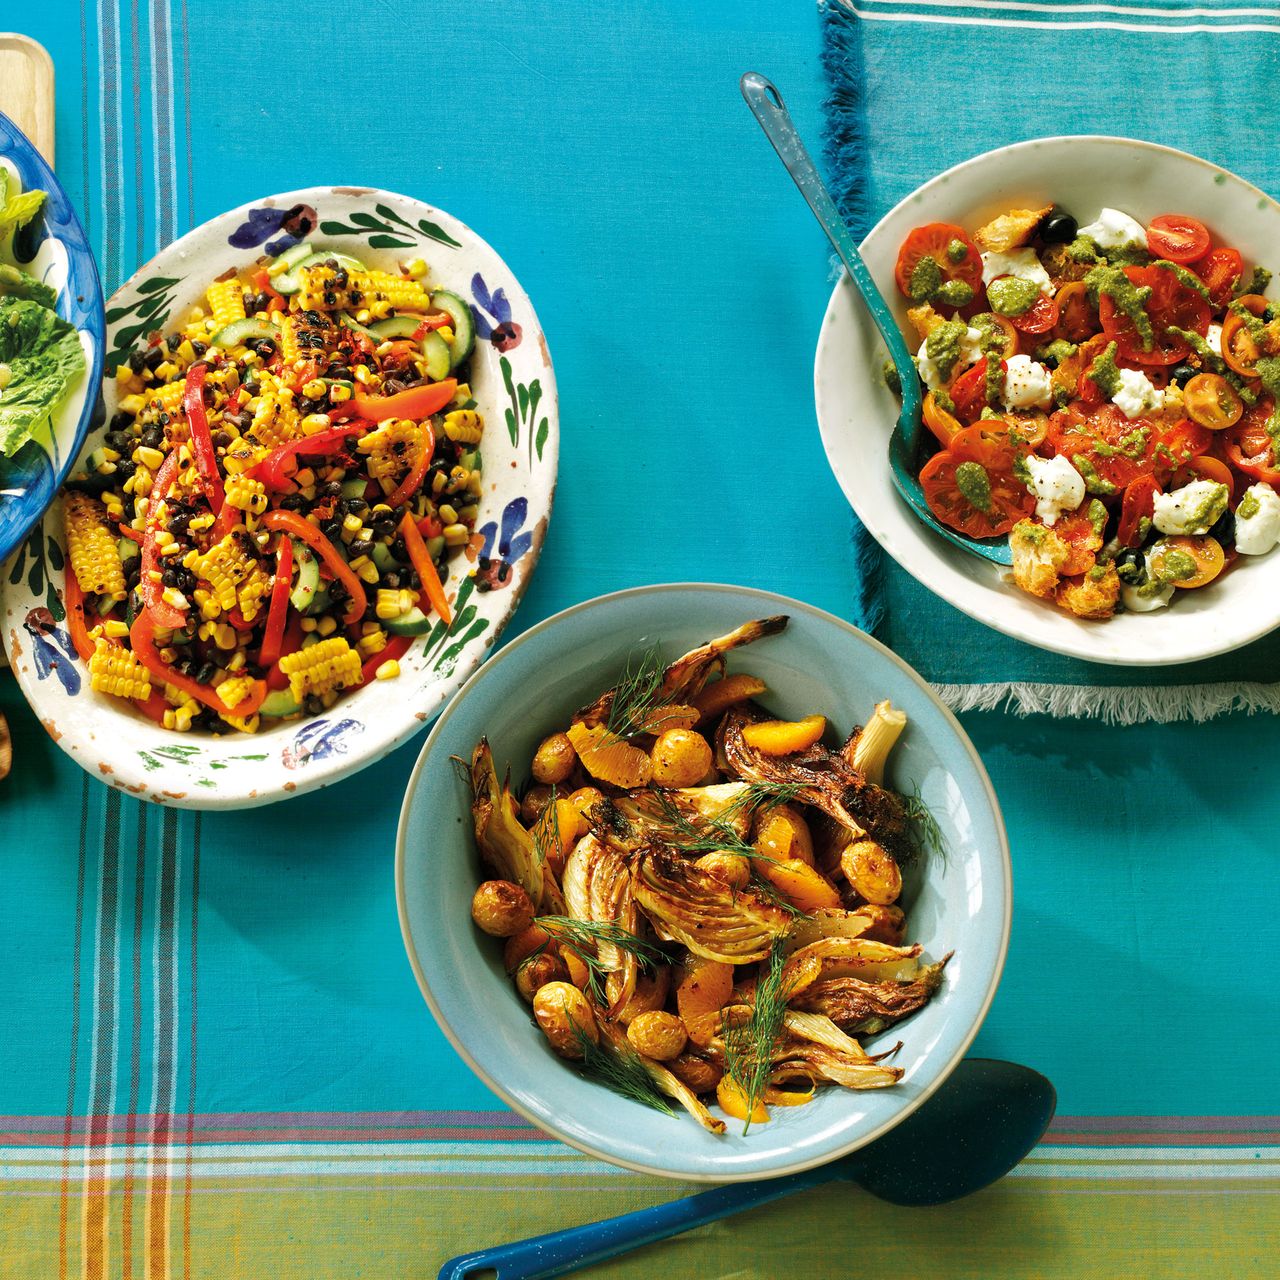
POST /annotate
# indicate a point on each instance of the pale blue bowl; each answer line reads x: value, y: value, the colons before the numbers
x: 53, y: 248
x: 959, y: 902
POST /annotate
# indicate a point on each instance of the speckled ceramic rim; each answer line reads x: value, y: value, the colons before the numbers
x: 770, y: 603
x: 1210, y: 650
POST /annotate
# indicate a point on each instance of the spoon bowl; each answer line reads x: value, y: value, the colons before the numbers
x: 771, y: 114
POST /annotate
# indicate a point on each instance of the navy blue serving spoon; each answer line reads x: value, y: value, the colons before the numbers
x: 766, y: 105
x: 980, y: 1123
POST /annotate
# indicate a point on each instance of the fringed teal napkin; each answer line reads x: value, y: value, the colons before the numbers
x: 919, y: 85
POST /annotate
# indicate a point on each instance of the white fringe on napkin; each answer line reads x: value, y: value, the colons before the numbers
x: 1119, y: 704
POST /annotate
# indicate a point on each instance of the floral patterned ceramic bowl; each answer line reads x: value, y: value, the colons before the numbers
x: 514, y: 385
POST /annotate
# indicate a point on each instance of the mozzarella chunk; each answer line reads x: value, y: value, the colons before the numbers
x: 1056, y: 485
x: 1214, y: 338
x: 970, y: 353
x: 1114, y: 229
x: 1258, y: 528
x: 1136, y: 394
x: 1027, y: 385
x: 1193, y: 509
x: 1143, y: 599
x: 1022, y: 263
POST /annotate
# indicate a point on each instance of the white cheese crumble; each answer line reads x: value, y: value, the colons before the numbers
x: 1114, y: 229
x: 1258, y: 531
x: 1142, y: 599
x: 1027, y: 385
x: 1056, y: 485
x: 970, y: 353
x: 1022, y: 263
x: 1193, y: 509
x: 1136, y: 395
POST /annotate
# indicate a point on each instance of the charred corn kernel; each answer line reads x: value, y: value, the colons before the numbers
x: 322, y: 668
x: 245, y: 725
x: 458, y: 478
x: 314, y: 389
x: 362, y: 374
x: 150, y: 458
x: 169, y: 653
x: 115, y: 630
x: 171, y: 595
x: 438, y: 482
x: 114, y: 510
x: 352, y: 523
x: 373, y: 643
x: 340, y: 392
x: 468, y: 514
x: 236, y: 661
x: 165, y: 371
x: 363, y: 316
x: 447, y: 514
x: 133, y: 405
x: 314, y: 422
x: 233, y: 575
x: 246, y: 494
x: 456, y: 535
x: 308, y: 624
x: 235, y: 690
x: 329, y: 699
x: 327, y: 625
x: 209, y: 610
x: 388, y: 670
x: 115, y: 670
x: 415, y: 269
x: 384, y: 348
x: 224, y: 635
x: 226, y: 301
x: 446, y: 332
x: 91, y: 547
x: 463, y: 425
x: 368, y: 573
x: 387, y: 604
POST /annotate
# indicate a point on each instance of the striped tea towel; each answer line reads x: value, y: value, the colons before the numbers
x: 919, y: 85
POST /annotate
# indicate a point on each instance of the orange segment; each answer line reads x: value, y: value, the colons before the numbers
x: 800, y: 884
x: 733, y: 1102
x: 723, y: 694
x: 610, y: 759
x: 784, y: 737
x: 705, y: 987
x: 657, y: 720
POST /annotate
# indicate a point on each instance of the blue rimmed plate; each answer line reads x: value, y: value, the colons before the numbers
x: 53, y: 248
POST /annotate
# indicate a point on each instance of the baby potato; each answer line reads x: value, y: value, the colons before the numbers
x: 732, y: 868
x: 584, y: 800
x: 680, y: 758
x: 554, y: 759
x: 535, y: 973
x: 871, y: 872
x: 564, y: 1015
x: 535, y: 801
x: 502, y: 909
x: 697, y: 1072
x: 523, y: 945
x: 658, y: 1035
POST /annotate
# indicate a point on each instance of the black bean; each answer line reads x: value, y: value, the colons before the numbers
x: 121, y: 421
x: 337, y: 592
x: 155, y: 357
x: 254, y: 671
x: 199, y: 347
x: 222, y: 439
x: 253, y: 386
x: 362, y: 547
x: 265, y: 348
x: 1224, y: 528
x: 137, y: 361
x: 293, y: 502
x: 169, y: 578
x: 312, y: 705
x: 125, y: 469
x: 331, y: 488
x: 206, y: 673
x: 357, y: 505
x: 153, y: 437
x: 391, y: 581
x: 1058, y: 228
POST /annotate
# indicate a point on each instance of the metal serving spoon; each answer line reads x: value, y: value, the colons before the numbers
x: 904, y: 444
x: 982, y: 1121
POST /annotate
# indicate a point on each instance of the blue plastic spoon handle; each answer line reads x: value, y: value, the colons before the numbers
x: 766, y: 105
x: 560, y: 1252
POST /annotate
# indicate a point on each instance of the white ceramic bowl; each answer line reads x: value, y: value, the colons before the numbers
x: 961, y: 901
x: 515, y: 388
x: 856, y: 412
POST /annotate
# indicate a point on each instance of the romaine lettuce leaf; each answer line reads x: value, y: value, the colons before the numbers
x: 43, y: 359
x: 16, y: 283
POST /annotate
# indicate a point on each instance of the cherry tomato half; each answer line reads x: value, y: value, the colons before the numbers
x: 990, y: 442
x: 1171, y: 304
x: 1006, y: 503
x: 1077, y: 318
x: 932, y: 241
x: 1220, y: 271
x: 943, y: 424
x: 1212, y: 401
x: 1083, y: 542
x: 1238, y: 347
x: 1177, y: 238
x: 1039, y: 317
x: 1206, y: 553
x: 1139, y: 502
x: 1249, y: 446
x: 1205, y: 466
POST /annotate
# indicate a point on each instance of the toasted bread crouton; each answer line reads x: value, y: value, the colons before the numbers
x: 1061, y: 266
x: 924, y: 319
x: 1038, y: 554
x: 1090, y: 597
x: 1010, y: 230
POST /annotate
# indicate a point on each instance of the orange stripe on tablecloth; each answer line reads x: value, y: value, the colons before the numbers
x: 195, y: 933
x: 135, y: 1035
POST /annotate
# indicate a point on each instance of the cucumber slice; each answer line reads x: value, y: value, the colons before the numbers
x: 464, y: 328
x: 356, y: 327
x: 395, y: 327
x: 291, y: 281
x: 321, y: 601
x: 291, y: 257
x: 354, y: 488
x: 128, y: 549
x: 279, y: 703
x: 412, y: 622
x: 240, y: 332
x: 382, y: 557
x: 438, y: 355
x: 308, y: 581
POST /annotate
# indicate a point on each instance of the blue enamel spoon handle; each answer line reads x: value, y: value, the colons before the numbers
x: 773, y: 117
x: 560, y: 1252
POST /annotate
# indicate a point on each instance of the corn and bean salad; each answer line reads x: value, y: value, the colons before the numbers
x: 267, y: 520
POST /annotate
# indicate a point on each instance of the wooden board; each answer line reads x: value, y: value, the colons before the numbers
x: 26, y: 89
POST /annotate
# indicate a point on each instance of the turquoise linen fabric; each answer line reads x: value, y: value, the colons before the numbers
x: 918, y: 87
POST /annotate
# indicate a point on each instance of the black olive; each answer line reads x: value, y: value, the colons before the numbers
x: 1224, y: 528
x: 1058, y: 228
x: 1183, y: 374
x: 1131, y: 566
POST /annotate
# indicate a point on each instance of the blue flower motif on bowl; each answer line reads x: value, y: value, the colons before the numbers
x: 319, y: 740
x: 493, y: 568
x: 502, y: 331
x: 294, y: 224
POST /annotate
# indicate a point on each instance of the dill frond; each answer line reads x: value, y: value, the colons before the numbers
x: 928, y: 834
x: 694, y: 833
x: 638, y: 692
x: 582, y: 937
x: 619, y: 1069
x: 552, y: 829
x: 748, y: 1049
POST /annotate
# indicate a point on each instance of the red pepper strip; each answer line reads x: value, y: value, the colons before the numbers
x: 238, y: 620
x: 227, y: 520
x: 278, y: 613
x: 417, y: 402
x: 128, y: 531
x: 162, y: 612
x: 396, y: 647
x: 271, y: 470
x: 417, y: 473
x: 73, y: 598
x: 293, y: 638
x: 262, y: 282
x: 154, y: 707
x: 142, y: 639
x: 201, y: 440
x: 427, y: 574
x: 430, y: 527
x: 291, y: 522
x: 429, y: 323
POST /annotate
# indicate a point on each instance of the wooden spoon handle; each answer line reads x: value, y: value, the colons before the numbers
x: 26, y: 89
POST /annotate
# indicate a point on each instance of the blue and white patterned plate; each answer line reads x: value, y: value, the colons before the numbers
x: 53, y: 248
x: 515, y: 389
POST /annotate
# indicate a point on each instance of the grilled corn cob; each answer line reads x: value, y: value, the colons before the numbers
x: 233, y: 574
x: 322, y: 668
x: 327, y: 289
x: 116, y: 670
x: 235, y: 690
x: 391, y: 447
x: 226, y: 301
x: 463, y: 425
x: 304, y: 333
x: 92, y: 550
x: 246, y: 494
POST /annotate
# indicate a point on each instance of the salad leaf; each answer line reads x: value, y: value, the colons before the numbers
x: 16, y: 283
x: 40, y: 361
x: 15, y: 211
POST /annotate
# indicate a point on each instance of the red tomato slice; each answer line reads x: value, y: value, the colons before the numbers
x: 1221, y: 271
x: 1083, y: 542
x: 1118, y: 450
x: 988, y: 442
x: 1139, y: 501
x: 1040, y: 317
x: 1180, y: 443
x: 1171, y: 303
x: 1008, y: 503
x: 969, y: 392
x: 1249, y: 446
x: 1177, y: 238
x: 932, y: 241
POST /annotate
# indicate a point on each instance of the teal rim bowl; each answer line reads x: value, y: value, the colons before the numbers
x: 960, y: 901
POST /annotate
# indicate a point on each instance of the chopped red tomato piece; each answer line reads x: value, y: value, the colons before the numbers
x: 1177, y: 238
